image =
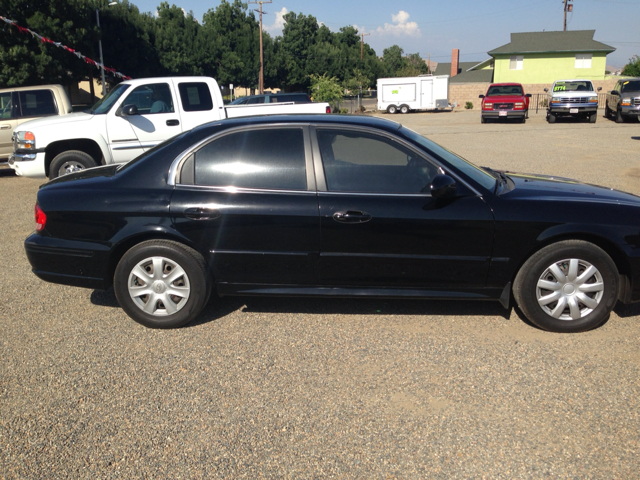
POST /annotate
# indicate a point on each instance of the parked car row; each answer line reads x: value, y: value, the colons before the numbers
x: 567, y: 98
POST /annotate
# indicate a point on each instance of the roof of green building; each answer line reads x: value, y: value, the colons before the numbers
x: 464, y: 76
x: 548, y: 42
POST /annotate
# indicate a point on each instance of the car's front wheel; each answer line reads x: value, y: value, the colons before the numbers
x: 569, y: 286
x: 619, y: 117
x: 551, y: 118
x: 69, y: 162
x: 162, y: 284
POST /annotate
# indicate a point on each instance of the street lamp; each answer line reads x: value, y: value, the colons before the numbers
x: 100, y: 49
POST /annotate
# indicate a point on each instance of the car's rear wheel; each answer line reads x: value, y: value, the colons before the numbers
x: 404, y: 109
x: 69, y: 162
x: 162, y: 284
x: 551, y: 118
x: 569, y: 286
x: 392, y: 109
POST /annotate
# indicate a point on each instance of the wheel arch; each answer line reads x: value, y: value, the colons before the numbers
x: 86, y: 145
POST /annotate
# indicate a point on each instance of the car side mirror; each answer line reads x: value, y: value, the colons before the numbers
x: 528, y: 95
x: 129, y: 110
x: 546, y: 89
x: 480, y: 96
x: 615, y: 92
x: 443, y: 186
x: 599, y: 88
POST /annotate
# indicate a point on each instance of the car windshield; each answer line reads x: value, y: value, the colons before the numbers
x: 477, y: 174
x: 573, y: 86
x: 105, y: 104
x: 504, y: 90
x: 631, y: 86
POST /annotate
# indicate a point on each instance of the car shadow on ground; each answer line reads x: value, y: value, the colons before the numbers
x: 7, y: 172
x: 635, y: 138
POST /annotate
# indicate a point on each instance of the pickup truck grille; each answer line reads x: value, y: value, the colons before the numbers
x: 635, y: 101
x: 503, y: 106
x: 572, y: 100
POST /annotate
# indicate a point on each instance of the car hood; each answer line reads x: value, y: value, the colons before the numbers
x: 545, y: 187
x: 55, y: 119
x: 504, y: 98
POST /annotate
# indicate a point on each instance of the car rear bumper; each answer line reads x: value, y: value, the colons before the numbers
x: 79, y: 264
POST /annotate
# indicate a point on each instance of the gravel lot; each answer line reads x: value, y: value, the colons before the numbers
x: 324, y: 388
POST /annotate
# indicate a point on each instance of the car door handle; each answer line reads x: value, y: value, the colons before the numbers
x: 351, y: 217
x: 173, y: 123
x: 199, y: 213
x: 5, y: 127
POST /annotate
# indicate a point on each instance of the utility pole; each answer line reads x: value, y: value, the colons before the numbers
x: 429, y: 63
x: 362, y: 35
x: 568, y: 7
x: 261, y: 81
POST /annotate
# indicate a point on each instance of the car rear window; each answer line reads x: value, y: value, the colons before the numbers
x: 270, y: 158
x: 195, y: 97
x: 37, y: 103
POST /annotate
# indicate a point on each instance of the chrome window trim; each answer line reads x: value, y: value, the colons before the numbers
x: 231, y: 189
x: 176, y: 165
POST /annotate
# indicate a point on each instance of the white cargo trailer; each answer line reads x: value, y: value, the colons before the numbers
x: 403, y: 94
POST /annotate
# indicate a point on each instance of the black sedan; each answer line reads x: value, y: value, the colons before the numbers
x: 334, y: 206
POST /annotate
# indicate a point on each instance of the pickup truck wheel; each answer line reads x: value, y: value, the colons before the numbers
x: 392, y: 109
x: 593, y: 117
x: 523, y: 120
x: 568, y: 286
x: 607, y: 111
x: 619, y: 117
x: 482, y: 119
x: 69, y: 162
x: 551, y: 118
x: 162, y: 284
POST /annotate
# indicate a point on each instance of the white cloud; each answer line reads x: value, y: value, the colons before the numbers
x: 278, y: 24
x: 401, y: 26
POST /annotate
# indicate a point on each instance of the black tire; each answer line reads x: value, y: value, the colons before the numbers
x: 483, y: 119
x: 404, y: 109
x: 392, y: 109
x: 592, y: 293
x: 192, y: 282
x: 607, y: 111
x: 593, y: 117
x: 619, y: 117
x: 551, y: 118
x: 523, y: 120
x: 69, y: 162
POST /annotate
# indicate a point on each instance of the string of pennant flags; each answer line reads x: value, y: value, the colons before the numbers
x: 86, y: 59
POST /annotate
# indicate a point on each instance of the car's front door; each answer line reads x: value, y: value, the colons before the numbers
x: 8, y: 123
x: 248, y: 198
x: 380, y: 225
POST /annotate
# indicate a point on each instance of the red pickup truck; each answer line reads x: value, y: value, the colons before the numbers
x: 505, y: 100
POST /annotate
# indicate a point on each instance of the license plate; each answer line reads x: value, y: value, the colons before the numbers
x: 573, y: 110
x: 502, y: 114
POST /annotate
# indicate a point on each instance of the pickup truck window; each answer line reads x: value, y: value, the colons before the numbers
x: 195, y: 97
x: 269, y: 158
x: 151, y: 99
x: 630, y: 86
x: 37, y: 103
x: 104, y: 105
x: 5, y: 105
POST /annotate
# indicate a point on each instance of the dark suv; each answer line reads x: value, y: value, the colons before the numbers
x: 273, y: 98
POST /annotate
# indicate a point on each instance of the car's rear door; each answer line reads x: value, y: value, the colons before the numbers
x: 247, y: 197
x: 380, y: 225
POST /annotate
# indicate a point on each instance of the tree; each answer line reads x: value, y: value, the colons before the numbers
x: 633, y: 67
x: 175, y: 39
x: 326, y: 89
x: 298, y: 36
x: 392, y: 60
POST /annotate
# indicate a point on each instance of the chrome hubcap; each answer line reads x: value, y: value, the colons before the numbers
x: 70, y: 167
x: 159, y: 286
x: 570, y: 289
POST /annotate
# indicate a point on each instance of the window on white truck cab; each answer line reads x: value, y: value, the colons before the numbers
x: 516, y: 61
x: 5, y: 106
x: 583, y: 60
x: 195, y: 97
x: 151, y: 99
x: 37, y: 103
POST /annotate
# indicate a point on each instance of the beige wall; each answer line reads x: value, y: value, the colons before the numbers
x: 468, y: 92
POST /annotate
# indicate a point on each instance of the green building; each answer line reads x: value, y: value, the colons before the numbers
x: 543, y: 57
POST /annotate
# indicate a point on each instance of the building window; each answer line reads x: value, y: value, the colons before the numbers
x: 516, y: 62
x: 583, y: 60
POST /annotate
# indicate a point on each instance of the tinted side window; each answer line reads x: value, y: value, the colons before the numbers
x: 254, y: 100
x: 5, y: 105
x: 37, y: 103
x: 364, y: 162
x: 265, y: 158
x: 153, y: 98
x: 195, y: 97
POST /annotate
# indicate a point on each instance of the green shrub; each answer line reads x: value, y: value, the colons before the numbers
x: 468, y: 105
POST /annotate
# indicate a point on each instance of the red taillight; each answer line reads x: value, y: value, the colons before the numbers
x: 328, y: 110
x: 41, y: 218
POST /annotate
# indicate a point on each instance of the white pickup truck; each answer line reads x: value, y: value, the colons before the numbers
x: 134, y: 117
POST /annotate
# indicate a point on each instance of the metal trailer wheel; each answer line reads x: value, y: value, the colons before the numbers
x: 392, y: 109
x: 404, y: 109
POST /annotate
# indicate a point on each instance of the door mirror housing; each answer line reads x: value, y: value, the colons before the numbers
x: 599, y: 88
x: 480, y: 96
x: 615, y: 92
x: 546, y: 89
x: 443, y: 186
x: 528, y: 95
x: 128, y: 110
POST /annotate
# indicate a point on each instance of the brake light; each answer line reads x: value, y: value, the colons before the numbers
x: 41, y: 218
x: 328, y: 110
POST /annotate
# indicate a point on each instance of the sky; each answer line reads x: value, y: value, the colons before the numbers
x: 436, y: 27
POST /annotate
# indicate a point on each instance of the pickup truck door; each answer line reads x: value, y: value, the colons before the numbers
x: 157, y: 119
x: 7, y: 123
